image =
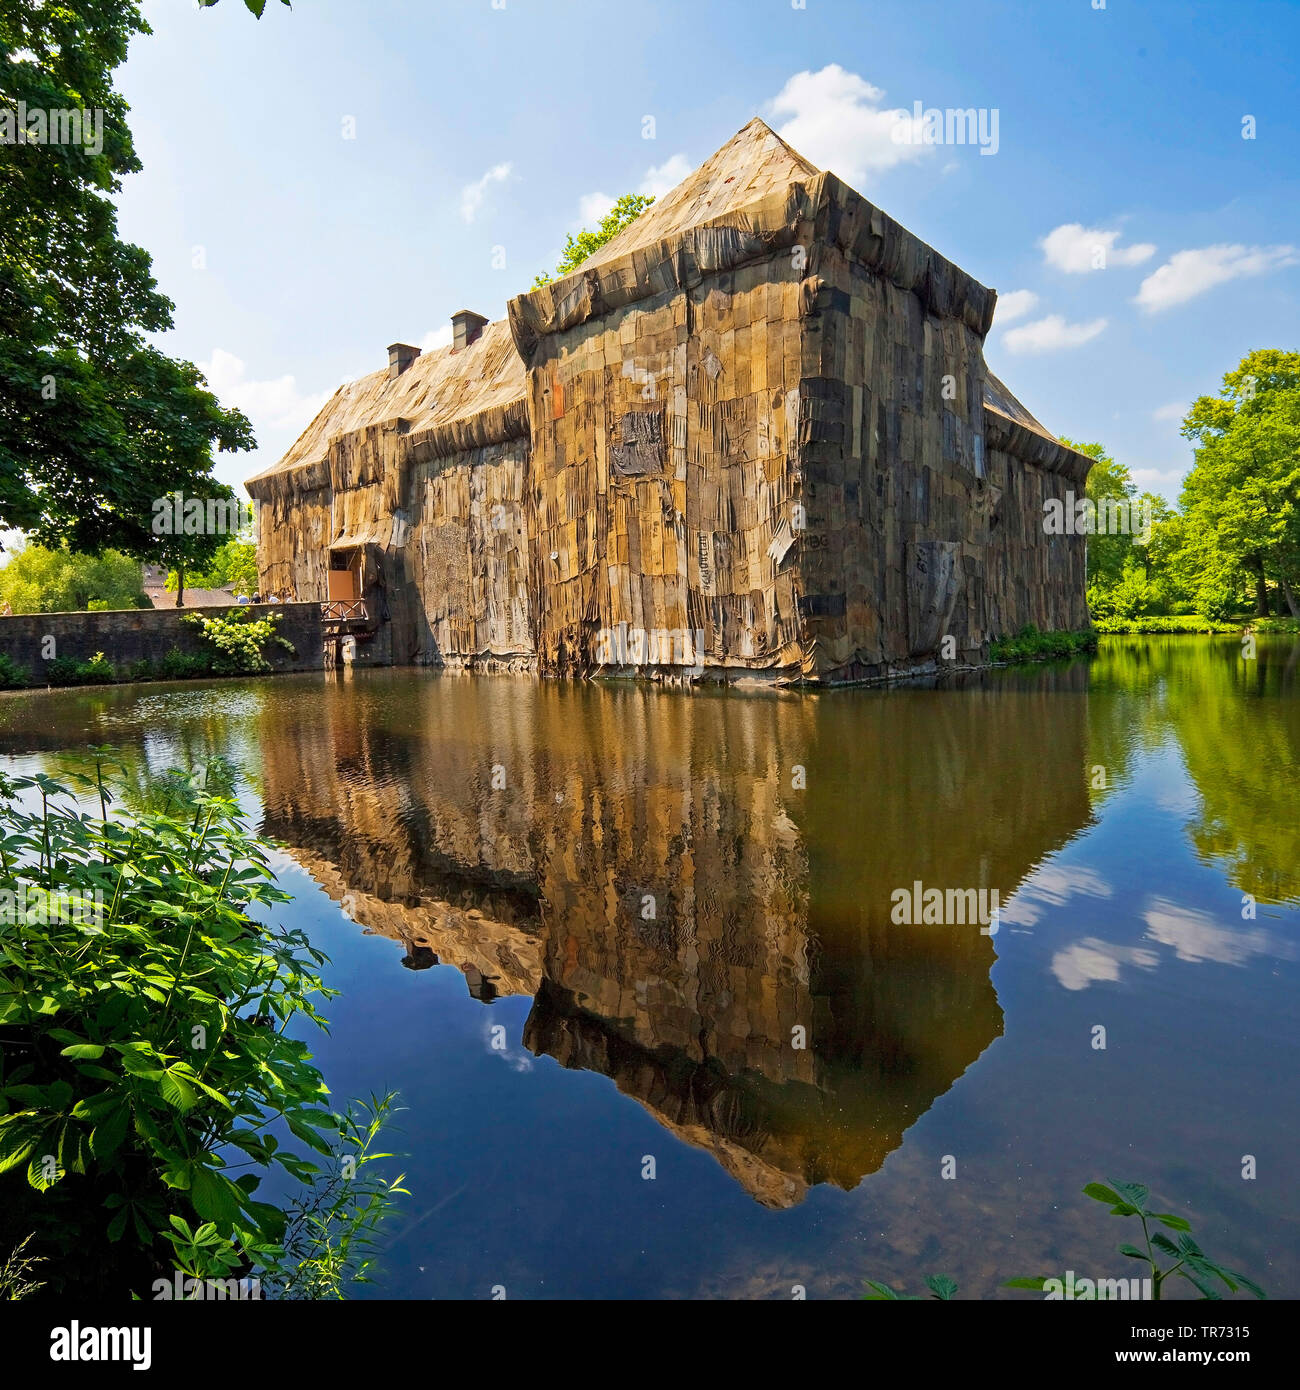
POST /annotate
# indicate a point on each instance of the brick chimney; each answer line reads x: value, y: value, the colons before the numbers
x: 466, y: 327
x: 400, y: 356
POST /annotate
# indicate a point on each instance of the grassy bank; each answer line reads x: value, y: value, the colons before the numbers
x: 1181, y: 622
x: 1029, y: 644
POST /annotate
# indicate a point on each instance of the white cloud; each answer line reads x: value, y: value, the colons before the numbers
x: 655, y: 182
x: 662, y: 178
x: 835, y: 119
x: 1051, y: 334
x: 1076, y: 249
x: 1192, y: 935
x: 473, y: 194
x: 271, y: 405
x: 1166, y: 482
x: 1090, y: 960
x: 1015, y: 305
x: 1175, y: 410
x: 520, y: 1060
x: 436, y: 338
x: 1189, y: 273
x: 1196, y: 936
x: 1053, y: 885
x: 592, y: 208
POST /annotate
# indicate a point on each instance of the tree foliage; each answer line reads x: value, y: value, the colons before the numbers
x: 95, y: 420
x: 235, y: 563
x: 257, y: 7
x: 1241, y: 501
x: 1106, y: 480
x: 577, y: 248
x: 37, y: 580
x: 1234, y: 540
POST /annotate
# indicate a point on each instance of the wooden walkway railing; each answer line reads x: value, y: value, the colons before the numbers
x: 344, y: 611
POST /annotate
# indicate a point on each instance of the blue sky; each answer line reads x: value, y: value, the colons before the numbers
x: 341, y: 176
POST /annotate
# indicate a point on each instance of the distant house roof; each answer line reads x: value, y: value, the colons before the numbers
x: 194, y: 598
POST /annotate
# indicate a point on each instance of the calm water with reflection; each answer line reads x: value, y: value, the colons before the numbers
x: 477, y: 853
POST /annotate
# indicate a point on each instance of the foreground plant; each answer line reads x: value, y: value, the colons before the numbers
x: 941, y: 1286
x: 18, y: 1273
x: 1124, y: 1199
x: 147, y: 1072
x: 1191, y: 1262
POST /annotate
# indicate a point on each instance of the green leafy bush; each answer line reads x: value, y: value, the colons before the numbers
x: 1031, y: 645
x: 180, y: 666
x: 68, y: 670
x: 146, y: 1050
x: 12, y: 676
x: 1190, y: 622
x: 37, y: 580
x: 238, y: 640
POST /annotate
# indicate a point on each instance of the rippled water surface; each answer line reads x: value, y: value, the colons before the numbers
x: 580, y: 928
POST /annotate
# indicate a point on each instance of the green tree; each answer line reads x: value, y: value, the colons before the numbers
x: 258, y: 7
x: 185, y: 541
x: 1107, y: 480
x: 576, y: 249
x: 1174, y: 585
x: 95, y: 421
x: 37, y: 580
x: 235, y: 563
x: 1241, y: 500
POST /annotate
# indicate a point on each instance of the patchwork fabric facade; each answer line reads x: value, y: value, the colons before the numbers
x: 753, y: 436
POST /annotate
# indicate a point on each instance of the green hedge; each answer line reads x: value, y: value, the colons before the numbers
x: 1188, y: 622
x: 1029, y: 644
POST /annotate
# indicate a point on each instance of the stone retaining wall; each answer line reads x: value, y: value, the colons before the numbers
x: 137, y: 634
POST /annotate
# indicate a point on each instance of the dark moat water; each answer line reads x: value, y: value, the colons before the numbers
x: 634, y: 960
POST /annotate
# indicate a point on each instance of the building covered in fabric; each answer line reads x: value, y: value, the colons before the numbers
x: 752, y: 436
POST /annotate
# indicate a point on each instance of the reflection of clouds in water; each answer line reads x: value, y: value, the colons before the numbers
x: 1196, y: 936
x: 1052, y: 886
x: 1179, y: 801
x: 1192, y: 934
x: 1090, y: 960
x: 282, y: 862
x: 515, y: 1060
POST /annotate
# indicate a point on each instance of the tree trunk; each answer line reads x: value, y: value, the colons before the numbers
x: 180, y: 586
x: 1290, y: 597
x: 1261, y: 588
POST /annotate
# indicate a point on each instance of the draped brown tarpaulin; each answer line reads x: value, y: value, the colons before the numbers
x: 755, y: 431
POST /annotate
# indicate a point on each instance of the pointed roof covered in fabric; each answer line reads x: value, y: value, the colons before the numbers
x: 476, y: 391
x: 753, y: 164
x: 753, y: 195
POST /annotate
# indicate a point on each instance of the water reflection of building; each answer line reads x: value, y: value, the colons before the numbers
x: 649, y: 868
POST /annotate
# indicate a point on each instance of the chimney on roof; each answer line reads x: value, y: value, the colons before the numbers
x: 400, y: 356
x: 466, y: 327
